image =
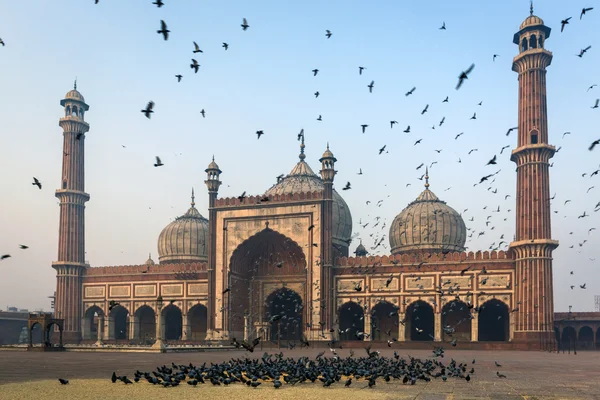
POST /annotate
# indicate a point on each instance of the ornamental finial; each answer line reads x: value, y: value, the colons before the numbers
x: 302, y: 156
x: 75, y: 84
x: 531, y: 7
x: 193, y: 198
x: 426, y: 178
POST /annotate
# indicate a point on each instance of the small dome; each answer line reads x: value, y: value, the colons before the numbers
x: 360, y: 250
x: 532, y: 20
x: 74, y: 95
x: 149, y: 261
x: 213, y: 164
x: 327, y: 153
x: 428, y: 224
x: 185, y: 239
x: 302, y: 179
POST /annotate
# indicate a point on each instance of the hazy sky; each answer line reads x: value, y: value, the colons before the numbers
x: 264, y: 82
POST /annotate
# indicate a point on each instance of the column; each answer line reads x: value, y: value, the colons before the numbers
x: 401, y: 328
x: 367, y: 318
x: 110, y: 328
x: 246, y: 327
x: 475, y: 329
x: 187, y: 327
x: 437, y: 326
x: 100, y: 330
x: 133, y: 324
x: 160, y: 321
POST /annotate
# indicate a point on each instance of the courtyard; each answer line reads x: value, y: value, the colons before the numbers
x: 530, y: 375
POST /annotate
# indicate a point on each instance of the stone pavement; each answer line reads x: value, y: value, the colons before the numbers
x: 530, y: 374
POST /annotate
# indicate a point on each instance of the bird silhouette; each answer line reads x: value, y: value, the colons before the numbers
x: 194, y: 65
x: 583, y: 51
x: 443, y: 27
x: 158, y: 3
x: 178, y: 78
x: 584, y: 11
x: 464, y: 75
x: 563, y: 23
x: 37, y: 183
x: 197, y: 48
x: 411, y: 91
x: 328, y: 33
x: 370, y: 86
x: 149, y: 109
x: 360, y: 70
x: 596, y: 104
x: 259, y: 134
x: 163, y: 30
x: 158, y: 162
x: 594, y: 144
x: 245, y: 24
x: 225, y: 45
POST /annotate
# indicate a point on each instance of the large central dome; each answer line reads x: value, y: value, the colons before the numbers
x: 185, y: 239
x: 428, y: 225
x: 302, y: 179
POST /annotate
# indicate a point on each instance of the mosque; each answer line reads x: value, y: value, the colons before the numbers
x: 278, y: 265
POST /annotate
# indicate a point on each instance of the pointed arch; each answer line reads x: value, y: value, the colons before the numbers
x: 586, y: 338
x: 420, y: 321
x: 493, y: 321
x: 568, y: 337
x: 457, y: 317
x: 351, y: 318
x: 91, y: 324
x: 119, y: 326
x: 198, y: 318
x: 286, y: 306
x: 384, y: 321
x: 173, y: 322
x: 146, y: 322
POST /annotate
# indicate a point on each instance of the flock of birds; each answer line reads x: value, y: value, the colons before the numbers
x: 276, y: 371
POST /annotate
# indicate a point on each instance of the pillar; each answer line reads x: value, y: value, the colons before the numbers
x: 160, y: 329
x: 133, y: 327
x: 437, y: 326
x: 187, y: 327
x: 474, y: 329
x: 368, y: 328
x: 246, y: 327
x: 110, y: 328
x: 100, y: 330
x: 401, y: 327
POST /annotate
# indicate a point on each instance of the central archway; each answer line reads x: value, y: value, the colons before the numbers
x: 173, y: 322
x: 419, y: 321
x: 146, y: 320
x: 384, y: 321
x: 493, y: 321
x: 93, y: 316
x: 119, y: 316
x: 266, y: 257
x: 284, y: 306
x: 352, y: 321
x: 456, y: 317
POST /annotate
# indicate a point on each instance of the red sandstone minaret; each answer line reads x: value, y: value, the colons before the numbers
x: 327, y: 174
x: 533, y: 246
x: 71, y: 235
x: 212, y: 183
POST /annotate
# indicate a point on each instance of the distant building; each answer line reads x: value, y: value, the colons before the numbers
x: 285, y: 253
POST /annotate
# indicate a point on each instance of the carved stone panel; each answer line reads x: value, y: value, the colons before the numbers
x: 459, y: 282
x: 196, y: 289
x: 172, y: 290
x: 493, y: 281
x: 94, y: 291
x: 348, y: 285
x: 380, y: 284
x: 119, y: 291
x: 425, y: 283
x: 145, y: 290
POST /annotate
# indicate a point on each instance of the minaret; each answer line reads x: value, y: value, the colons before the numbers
x: 212, y: 183
x: 71, y: 265
x: 327, y: 174
x: 533, y: 246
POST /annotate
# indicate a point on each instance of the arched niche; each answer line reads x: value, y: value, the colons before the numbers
x: 384, y: 321
x: 173, y: 320
x: 456, y: 316
x: 420, y: 322
x: 285, y: 306
x: 351, y: 321
x: 91, y: 324
x: 493, y: 321
x: 586, y: 338
x: 198, y: 317
x: 146, y: 320
x: 119, y: 316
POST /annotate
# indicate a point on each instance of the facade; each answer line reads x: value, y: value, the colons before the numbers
x: 277, y: 265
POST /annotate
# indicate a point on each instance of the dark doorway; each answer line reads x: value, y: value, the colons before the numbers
x: 173, y: 322
x: 586, y: 338
x: 119, y: 317
x: 147, y: 324
x: 197, y: 317
x: 420, y: 322
x: 352, y: 321
x: 92, y: 319
x: 285, y: 306
x: 493, y: 322
x: 456, y: 317
x: 384, y: 321
x: 37, y: 334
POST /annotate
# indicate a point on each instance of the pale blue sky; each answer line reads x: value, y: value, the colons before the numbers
x: 264, y: 82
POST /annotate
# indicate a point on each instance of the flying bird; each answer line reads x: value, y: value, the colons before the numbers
x: 591, y: 87
x: 315, y: 72
x: 445, y: 100
x: 563, y: 23
x: 178, y: 78
x: 194, y: 65
x: 197, y: 48
x: 381, y: 150
x: 317, y: 94
x: 494, y: 57
x: 158, y: 162
x: 37, y: 183
x: 411, y: 91
x: 245, y: 24
x: 301, y: 134
x: 510, y: 130
x: 474, y: 116
x: 594, y: 144
x: 347, y: 187
x: 2, y: 42
x: 407, y: 130
x: 4, y: 256
x: 443, y: 27
x: 417, y: 142
x: 360, y: 70
x: 370, y: 86
x: 596, y: 104
x: 149, y: 109
x: 503, y: 148
x: 492, y: 161
x: 225, y: 45
x: 23, y: 247
x: 585, y: 10
x: 464, y: 75
x: 164, y: 30
x: 459, y: 135
x: 392, y: 123
x: 259, y: 134
x: 328, y: 33
x: 159, y: 3
x: 583, y: 51
x: 425, y: 109
x: 203, y: 113
x: 364, y: 127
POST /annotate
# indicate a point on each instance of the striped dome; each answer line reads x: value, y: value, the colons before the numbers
x: 185, y: 239
x: 429, y: 225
